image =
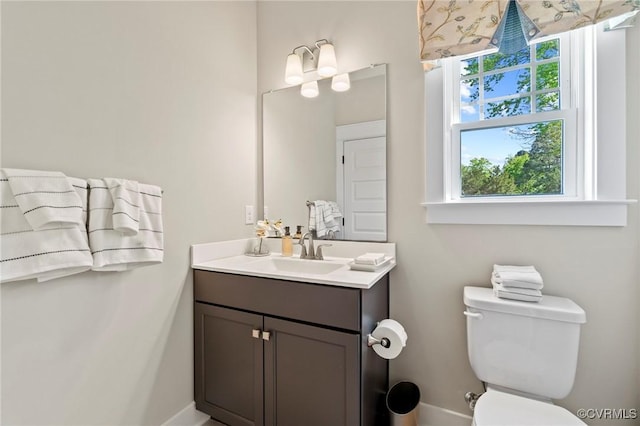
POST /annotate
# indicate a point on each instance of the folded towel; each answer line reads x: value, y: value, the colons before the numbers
x: 513, y: 283
x: 323, y: 217
x: 518, y: 294
x: 517, y: 290
x: 126, y: 204
x: 514, y: 268
x: 370, y: 259
x: 44, y: 254
x: 114, y: 251
x: 517, y: 276
x: 46, y: 199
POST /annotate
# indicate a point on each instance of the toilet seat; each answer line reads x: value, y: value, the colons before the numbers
x: 495, y: 408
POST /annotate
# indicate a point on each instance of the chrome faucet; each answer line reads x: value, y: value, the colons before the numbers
x: 303, y: 252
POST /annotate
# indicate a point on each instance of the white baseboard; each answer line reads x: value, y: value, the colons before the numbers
x: 430, y: 415
x: 188, y: 416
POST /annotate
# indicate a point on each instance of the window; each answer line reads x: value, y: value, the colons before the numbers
x: 511, y: 120
x: 515, y: 141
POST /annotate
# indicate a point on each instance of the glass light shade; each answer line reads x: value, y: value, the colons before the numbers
x: 293, y: 70
x: 310, y: 89
x: 327, y: 65
x: 341, y: 82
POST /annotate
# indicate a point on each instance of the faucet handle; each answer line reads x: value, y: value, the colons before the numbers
x: 319, y: 251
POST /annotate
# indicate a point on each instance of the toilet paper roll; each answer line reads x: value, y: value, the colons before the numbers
x: 394, y: 332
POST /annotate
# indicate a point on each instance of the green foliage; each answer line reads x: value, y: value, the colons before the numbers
x: 536, y: 170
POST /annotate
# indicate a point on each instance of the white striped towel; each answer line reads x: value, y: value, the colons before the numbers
x: 126, y: 204
x: 46, y: 199
x: 323, y: 217
x: 42, y: 254
x: 115, y: 251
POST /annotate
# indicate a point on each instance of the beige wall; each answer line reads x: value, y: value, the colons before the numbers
x: 160, y: 92
x: 165, y: 92
x: 597, y: 267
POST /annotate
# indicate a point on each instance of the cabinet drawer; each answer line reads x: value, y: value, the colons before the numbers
x: 331, y: 306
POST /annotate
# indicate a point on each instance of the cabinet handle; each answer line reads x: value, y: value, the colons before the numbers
x: 255, y: 333
x: 266, y: 335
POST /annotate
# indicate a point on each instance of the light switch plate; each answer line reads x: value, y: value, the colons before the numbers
x: 249, y: 215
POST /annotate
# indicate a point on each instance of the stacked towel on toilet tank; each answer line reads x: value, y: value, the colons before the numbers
x: 522, y: 283
x: 43, y: 225
x: 125, y: 226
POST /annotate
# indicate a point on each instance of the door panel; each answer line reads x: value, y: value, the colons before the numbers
x: 311, y: 376
x: 228, y: 365
x: 365, y: 189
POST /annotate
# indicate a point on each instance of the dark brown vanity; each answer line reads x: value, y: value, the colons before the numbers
x: 285, y: 353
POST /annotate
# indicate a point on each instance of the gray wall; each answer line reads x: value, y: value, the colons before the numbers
x: 160, y: 92
x: 597, y: 267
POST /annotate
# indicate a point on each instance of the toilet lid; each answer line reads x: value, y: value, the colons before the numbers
x: 497, y: 408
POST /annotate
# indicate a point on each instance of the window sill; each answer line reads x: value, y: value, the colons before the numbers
x: 534, y: 212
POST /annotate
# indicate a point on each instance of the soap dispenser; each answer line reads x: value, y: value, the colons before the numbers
x: 287, y: 243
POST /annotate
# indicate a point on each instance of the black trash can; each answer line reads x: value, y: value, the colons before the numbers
x: 402, y: 401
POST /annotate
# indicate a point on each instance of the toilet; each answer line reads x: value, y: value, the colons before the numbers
x: 526, y: 354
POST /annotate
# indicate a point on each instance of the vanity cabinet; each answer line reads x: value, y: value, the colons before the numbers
x: 283, y: 353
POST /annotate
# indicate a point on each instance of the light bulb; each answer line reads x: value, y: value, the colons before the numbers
x: 341, y: 82
x: 310, y: 89
x: 293, y: 70
x: 327, y: 65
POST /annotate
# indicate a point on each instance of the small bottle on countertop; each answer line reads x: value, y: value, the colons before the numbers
x: 287, y: 243
x: 298, y: 232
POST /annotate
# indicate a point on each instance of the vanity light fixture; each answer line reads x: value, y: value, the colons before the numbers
x: 327, y: 65
x: 321, y: 57
x: 309, y: 89
x: 341, y: 82
x: 293, y: 73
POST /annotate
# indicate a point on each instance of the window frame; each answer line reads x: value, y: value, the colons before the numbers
x: 598, y: 197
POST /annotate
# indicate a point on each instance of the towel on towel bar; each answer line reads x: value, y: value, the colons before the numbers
x: 114, y: 251
x: 44, y: 254
x: 126, y: 204
x: 46, y: 198
x: 323, y: 217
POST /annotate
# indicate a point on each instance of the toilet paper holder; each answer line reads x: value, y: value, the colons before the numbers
x: 373, y: 341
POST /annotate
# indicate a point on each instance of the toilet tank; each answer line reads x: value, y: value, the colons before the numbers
x: 528, y: 347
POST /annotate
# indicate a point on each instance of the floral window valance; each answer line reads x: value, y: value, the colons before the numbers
x: 452, y: 28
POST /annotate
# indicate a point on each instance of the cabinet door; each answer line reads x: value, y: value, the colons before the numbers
x: 228, y: 364
x: 311, y: 375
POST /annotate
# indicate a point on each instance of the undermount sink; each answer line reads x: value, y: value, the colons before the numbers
x: 299, y: 266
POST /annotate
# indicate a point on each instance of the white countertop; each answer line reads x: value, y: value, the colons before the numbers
x: 229, y: 257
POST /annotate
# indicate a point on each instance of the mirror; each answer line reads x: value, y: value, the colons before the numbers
x: 326, y: 157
